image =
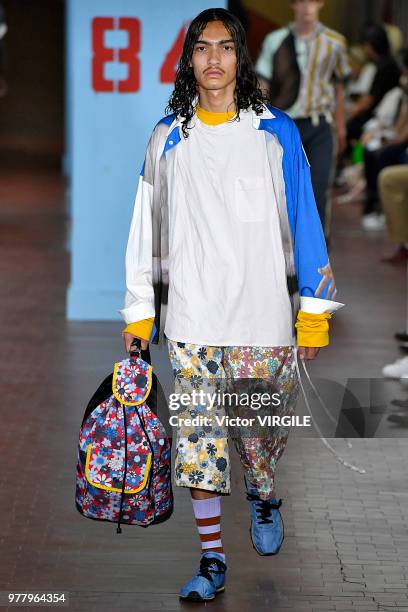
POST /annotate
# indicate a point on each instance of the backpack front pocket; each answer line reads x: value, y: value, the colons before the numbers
x: 104, y: 468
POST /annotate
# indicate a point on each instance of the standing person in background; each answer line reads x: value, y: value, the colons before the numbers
x: 362, y: 75
x: 303, y: 68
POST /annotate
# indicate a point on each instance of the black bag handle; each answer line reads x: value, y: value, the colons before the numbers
x: 137, y: 352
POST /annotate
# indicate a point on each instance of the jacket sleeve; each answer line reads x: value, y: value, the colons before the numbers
x: 316, y: 284
x: 139, y: 297
x: 314, y: 273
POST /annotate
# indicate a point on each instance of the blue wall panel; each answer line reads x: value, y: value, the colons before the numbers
x: 107, y: 134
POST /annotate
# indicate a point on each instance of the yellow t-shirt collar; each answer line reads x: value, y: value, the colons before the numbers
x: 211, y: 118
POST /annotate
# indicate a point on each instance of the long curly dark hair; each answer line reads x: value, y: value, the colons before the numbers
x: 247, y: 92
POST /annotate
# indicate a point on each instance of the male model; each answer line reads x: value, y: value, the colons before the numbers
x: 302, y: 69
x: 226, y: 258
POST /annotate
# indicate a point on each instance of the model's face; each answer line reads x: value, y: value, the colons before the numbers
x: 214, y: 59
x: 307, y: 11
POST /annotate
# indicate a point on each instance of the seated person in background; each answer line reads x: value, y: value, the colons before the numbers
x: 377, y: 50
x: 384, y: 117
x: 393, y: 186
x: 362, y: 74
x: 384, y: 147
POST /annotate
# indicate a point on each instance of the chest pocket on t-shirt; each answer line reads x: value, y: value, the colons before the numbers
x: 250, y: 199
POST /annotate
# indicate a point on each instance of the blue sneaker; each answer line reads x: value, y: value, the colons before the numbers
x: 208, y: 580
x: 267, y: 531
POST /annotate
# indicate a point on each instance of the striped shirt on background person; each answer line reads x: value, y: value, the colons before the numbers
x: 322, y: 60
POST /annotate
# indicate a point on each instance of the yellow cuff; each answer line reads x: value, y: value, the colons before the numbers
x: 142, y: 329
x: 312, y: 329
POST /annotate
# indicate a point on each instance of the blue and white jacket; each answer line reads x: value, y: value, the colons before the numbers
x: 310, y: 280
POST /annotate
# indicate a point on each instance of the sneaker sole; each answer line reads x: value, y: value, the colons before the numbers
x: 271, y: 554
x: 194, y: 596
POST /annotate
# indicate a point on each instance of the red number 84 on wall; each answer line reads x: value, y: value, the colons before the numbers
x: 101, y: 55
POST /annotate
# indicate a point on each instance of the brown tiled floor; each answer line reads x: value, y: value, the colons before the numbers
x: 346, y: 544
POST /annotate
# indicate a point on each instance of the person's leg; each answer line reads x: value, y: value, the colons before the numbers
x: 261, y: 447
x: 202, y: 458
x: 202, y: 461
x: 319, y: 145
x: 259, y: 455
x: 371, y: 175
x: 207, y: 512
x: 354, y: 128
x: 387, y: 156
x: 393, y: 187
x: 375, y: 162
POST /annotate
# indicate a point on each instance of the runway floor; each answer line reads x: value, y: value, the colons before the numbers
x: 346, y: 533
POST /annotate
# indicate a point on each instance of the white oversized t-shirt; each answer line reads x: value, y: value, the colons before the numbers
x: 227, y: 279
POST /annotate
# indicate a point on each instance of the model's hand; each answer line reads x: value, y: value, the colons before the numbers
x: 128, y: 339
x: 308, y: 352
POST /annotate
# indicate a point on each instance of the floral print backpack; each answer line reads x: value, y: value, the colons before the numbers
x: 124, y: 455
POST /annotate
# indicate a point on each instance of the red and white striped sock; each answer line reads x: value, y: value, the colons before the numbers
x: 207, y: 513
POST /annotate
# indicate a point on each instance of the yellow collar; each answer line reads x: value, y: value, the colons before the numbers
x: 211, y: 118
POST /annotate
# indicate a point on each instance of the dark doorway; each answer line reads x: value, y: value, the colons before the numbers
x: 32, y: 110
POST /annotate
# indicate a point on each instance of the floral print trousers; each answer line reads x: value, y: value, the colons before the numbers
x: 202, y: 453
